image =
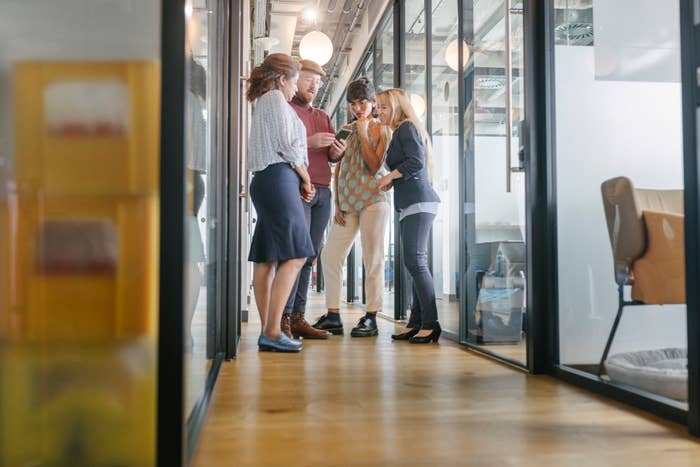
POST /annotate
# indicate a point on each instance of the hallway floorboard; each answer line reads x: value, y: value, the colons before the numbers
x: 373, y: 402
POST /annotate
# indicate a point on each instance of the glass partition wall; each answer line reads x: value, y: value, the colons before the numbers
x: 620, y: 190
x: 494, y: 180
x: 199, y: 199
x: 613, y: 179
x: 443, y: 125
x: 79, y: 220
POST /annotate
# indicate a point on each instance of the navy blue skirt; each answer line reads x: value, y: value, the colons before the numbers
x: 281, y: 232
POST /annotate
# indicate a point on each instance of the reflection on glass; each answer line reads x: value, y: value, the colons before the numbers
x: 367, y: 68
x: 445, y: 173
x: 608, y: 165
x: 384, y: 79
x: 79, y: 119
x: 384, y: 55
x: 200, y: 56
x: 415, y: 40
x: 496, y: 189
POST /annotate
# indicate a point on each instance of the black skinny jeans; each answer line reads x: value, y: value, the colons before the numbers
x: 415, y: 232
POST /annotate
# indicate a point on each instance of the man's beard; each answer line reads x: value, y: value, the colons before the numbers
x: 304, y: 99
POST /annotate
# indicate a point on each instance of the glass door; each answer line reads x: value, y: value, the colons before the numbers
x: 496, y: 259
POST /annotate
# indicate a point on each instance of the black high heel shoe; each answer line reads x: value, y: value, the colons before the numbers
x: 432, y: 337
x: 404, y: 336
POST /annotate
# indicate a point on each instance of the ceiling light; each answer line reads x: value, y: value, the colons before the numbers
x: 266, y: 42
x: 452, y: 55
x: 316, y: 46
x: 310, y: 15
x: 189, y: 10
x: 418, y: 104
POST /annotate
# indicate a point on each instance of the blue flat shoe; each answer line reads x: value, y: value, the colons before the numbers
x: 281, y: 344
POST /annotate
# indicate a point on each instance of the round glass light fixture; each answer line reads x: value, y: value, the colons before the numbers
x: 452, y: 55
x: 418, y: 104
x: 316, y: 46
x: 266, y: 42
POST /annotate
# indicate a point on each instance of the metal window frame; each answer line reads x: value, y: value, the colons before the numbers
x: 690, y: 60
x: 170, y: 448
x: 176, y: 438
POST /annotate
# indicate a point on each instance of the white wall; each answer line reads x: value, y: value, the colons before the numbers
x: 637, y: 40
x: 446, y: 247
x: 606, y: 129
x: 494, y: 205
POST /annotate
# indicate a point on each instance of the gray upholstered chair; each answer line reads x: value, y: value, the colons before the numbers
x: 646, y: 234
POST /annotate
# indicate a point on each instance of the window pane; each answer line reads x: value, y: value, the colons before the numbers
x: 414, y: 39
x: 384, y: 53
x: 445, y: 169
x: 619, y: 147
x: 201, y: 216
x: 79, y: 219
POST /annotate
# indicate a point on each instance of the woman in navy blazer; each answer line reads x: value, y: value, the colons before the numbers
x: 409, y: 159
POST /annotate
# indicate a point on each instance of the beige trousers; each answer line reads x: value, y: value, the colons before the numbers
x: 371, y: 222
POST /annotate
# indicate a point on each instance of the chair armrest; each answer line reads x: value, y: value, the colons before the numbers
x: 659, y: 274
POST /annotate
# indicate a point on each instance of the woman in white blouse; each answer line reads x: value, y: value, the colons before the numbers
x: 278, y: 158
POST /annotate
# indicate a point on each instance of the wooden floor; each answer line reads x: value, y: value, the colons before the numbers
x: 372, y: 402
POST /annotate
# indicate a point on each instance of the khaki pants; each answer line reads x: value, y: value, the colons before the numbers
x: 371, y: 222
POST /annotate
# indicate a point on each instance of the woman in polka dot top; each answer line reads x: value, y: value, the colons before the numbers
x: 358, y: 207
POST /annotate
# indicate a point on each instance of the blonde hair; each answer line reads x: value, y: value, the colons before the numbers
x: 402, y: 111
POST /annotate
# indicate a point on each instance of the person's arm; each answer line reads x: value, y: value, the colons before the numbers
x: 307, y: 188
x: 291, y: 147
x: 337, y: 147
x: 413, y: 151
x: 413, y: 156
x: 339, y: 216
x: 373, y: 158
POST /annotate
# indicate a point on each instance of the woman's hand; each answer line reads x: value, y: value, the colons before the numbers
x: 339, y: 217
x: 362, y: 124
x: 337, y: 149
x: 308, y: 190
x: 384, y: 184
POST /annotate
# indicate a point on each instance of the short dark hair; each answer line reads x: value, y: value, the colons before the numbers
x: 360, y: 89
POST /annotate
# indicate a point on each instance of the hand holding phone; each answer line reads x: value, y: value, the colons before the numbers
x: 343, y: 134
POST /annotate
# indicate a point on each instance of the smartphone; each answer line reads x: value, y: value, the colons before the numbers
x: 343, y: 134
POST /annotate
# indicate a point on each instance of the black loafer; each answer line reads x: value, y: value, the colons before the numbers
x: 365, y: 328
x: 332, y: 326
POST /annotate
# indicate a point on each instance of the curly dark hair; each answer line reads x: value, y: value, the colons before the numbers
x: 361, y: 88
x: 264, y: 77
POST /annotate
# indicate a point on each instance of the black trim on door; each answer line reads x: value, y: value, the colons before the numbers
x: 399, y: 73
x: 196, y: 418
x: 690, y: 34
x: 540, y: 206
x: 234, y: 128
x: 170, y: 403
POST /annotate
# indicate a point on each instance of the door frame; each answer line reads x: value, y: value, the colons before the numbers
x: 545, y: 351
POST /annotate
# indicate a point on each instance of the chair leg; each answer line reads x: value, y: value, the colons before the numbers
x: 621, y: 305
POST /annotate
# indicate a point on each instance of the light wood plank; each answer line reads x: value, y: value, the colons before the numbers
x: 373, y: 402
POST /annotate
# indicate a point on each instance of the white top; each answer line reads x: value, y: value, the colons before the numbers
x: 277, y: 134
x: 416, y: 208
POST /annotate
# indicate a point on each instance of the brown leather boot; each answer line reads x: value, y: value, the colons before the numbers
x: 300, y: 328
x: 285, y: 324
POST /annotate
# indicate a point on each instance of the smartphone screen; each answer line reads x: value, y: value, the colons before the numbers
x: 342, y: 134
